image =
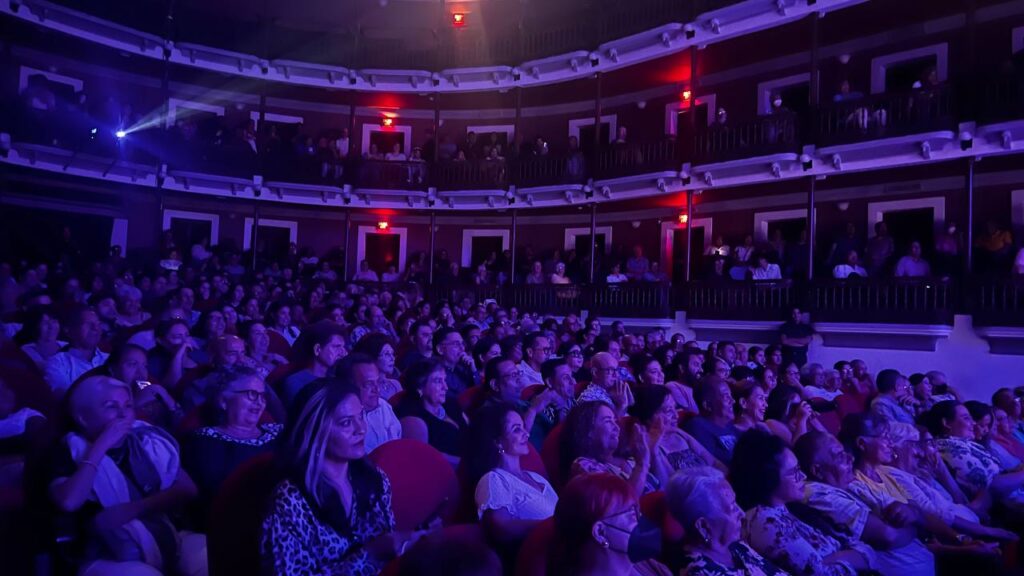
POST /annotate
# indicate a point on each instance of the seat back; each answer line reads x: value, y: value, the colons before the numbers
x: 654, y: 507
x: 551, y: 455
x: 532, y: 390
x: 471, y: 399
x: 233, y: 534
x: 278, y: 344
x: 423, y: 483
x: 535, y: 553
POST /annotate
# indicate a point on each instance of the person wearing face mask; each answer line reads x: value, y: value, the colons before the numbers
x: 510, y: 501
x: 703, y: 503
x: 236, y: 434
x: 949, y: 244
x: 766, y: 477
x: 124, y: 477
x: 332, y: 513
x: 601, y: 532
x: 889, y: 526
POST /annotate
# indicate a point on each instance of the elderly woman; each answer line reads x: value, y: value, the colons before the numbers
x: 766, y: 476
x: 596, y: 519
x: 649, y: 372
x: 788, y: 416
x: 675, y: 450
x: 981, y: 413
x: 878, y: 483
x: 379, y: 347
x: 975, y: 469
x: 590, y: 440
x: 38, y: 336
x: 703, y: 503
x: 257, y: 342
x: 509, y: 500
x: 332, y: 514
x: 129, y: 307
x: 212, y: 453
x: 124, y: 477
x: 427, y: 414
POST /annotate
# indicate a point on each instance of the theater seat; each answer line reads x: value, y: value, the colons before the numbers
x: 423, y: 483
x: 655, y: 508
x: 471, y: 399
x: 530, y: 391
x: 278, y: 345
x: 232, y: 538
x: 466, y: 508
x: 397, y: 398
x: 535, y: 552
x: 551, y: 455
x: 280, y: 373
x: 850, y: 404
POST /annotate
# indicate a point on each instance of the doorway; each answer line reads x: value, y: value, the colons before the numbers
x: 900, y: 76
x: 273, y: 242
x: 481, y: 247
x: 679, y: 254
x: 906, y: 226
x: 382, y: 251
x: 796, y: 97
x: 587, y: 138
x: 187, y: 233
x: 385, y: 141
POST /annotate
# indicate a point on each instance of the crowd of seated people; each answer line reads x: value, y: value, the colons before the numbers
x: 126, y: 412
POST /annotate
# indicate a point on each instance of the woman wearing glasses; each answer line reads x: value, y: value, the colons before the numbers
x: 378, y: 347
x: 766, y: 476
x: 212, y: 453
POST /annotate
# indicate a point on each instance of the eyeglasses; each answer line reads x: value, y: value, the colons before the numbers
x: 251, y: 395
x: 516, y: 374
x: 796, y: 474
x: 576, y: 354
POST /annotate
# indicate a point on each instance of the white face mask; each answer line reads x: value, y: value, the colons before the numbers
x: 952, y: 229
x: 777, y: 102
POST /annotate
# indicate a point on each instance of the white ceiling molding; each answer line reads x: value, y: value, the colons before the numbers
x: 712, y: 27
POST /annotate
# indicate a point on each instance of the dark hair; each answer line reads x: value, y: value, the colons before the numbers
x: 771, y: 350
x: 202, y: 330
x: 481, y: 347
x: 441, y: 333
x: 840, y: 365
x: 547, y: 369
x: 210, y: 412
x: 639, y: 364
x: 917, y: 378
x: 31, y: 322
x: 647, y: 402
x: 508, y: 343
x: 857, y: 426
x: 530, y: 339
x: 487, y: 427
x: 466, y: 329
x: 415, y: 377
x: 940, y: 412
x: 343, y: 369
x: 742, y: 390
x: 806, y: 450
x: 977, y: 410
x: 119, y: 352
x: 579, y: 424
x: 752, y: 353
x: 1001, y: 397
x: 164, y: 327
x: 491, y: 371
x: 705, y: 389
x: 741, y: 372
x: 755, y: 471
x: 372, y: 345
x: 886, y: 380
x: 779, y: 400
x: 566, y: 347
x: 318, y: 334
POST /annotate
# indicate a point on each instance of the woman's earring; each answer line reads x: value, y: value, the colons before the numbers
x: 604, y: 544
x: 501, y: 450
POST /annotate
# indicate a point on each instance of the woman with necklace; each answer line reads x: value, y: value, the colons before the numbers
x: 509, y: 500
x: 704, y: 504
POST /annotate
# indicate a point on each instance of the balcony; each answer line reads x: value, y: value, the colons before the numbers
x: 886, y: 116
x: 776, y: 134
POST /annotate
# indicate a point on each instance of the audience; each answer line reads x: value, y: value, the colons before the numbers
x: 428, y: 413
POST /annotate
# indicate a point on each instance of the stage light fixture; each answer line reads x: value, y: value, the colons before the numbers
x: 683, y: 218
x: 966, y: 140
x: 387, y: 122
x: 120, y: 134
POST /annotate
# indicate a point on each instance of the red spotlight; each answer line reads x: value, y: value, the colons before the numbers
x: 686, y: 95
x: 387, y: 122
x: 683, y: 218
x: 458, y: 19
x: 382, y: 225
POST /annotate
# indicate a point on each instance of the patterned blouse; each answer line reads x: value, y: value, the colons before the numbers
x: 297, y: 541
x: 794, y: 546
x: 585, y: 465
x: 973, y: 467
x: 746, y: 562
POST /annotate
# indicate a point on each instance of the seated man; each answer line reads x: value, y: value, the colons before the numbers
x: 381, y: 423
x: 536, y: 349
x: 122, y: 477
x: 318, y: 349
x: 714, y: 428
x: 505, y: 384
x: 895, y: 402
x: 81, y: 354
x: 606, y: 386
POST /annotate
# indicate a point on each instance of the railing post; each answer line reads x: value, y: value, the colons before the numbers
x: 433, y: 228
x: 969, y: 225
x: 593, y: 240
x: 512, y: 272
x: 689, y: 233
x: 812, y: 225
x: 348, y: 238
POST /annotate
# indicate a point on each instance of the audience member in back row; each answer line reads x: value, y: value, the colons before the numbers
x: 428, y: 413
x: 80, y: 355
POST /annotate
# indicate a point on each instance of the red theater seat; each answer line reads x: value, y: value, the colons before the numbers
x: 535, y: 552
x: 397, y: 398
x: 550, y: 454
x: 423, y: 483
x: 530, y: 391
x: 472, y: 399
x: 278, y: 345
x: 234, y: 529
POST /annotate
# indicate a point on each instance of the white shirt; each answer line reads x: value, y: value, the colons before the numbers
x: 381, y: 426
x: 772, y: 272
x: 63, y: 368
x: 32, y: 352
x: 395, y: 157
x: 845, y: 270
x: 616, y: 278
x: 815, y: 392
x: 366, y: 276
x: 501, y: 489
x: 529, y: 375
x: 907, y: 267
x: 743, y: 253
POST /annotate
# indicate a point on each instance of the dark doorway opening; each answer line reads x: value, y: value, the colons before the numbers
x: 385, y: 141
x: 906, y: 226
x: 273, y: 242
x: 900, y: 77
x: 795, y: 97
x: 382, y: 251
x: 582, y: 245
x: 187, y: 233
x: 587, y: 138
x: 679, y: 254
x: 790, y: 228
x: 481, y: 248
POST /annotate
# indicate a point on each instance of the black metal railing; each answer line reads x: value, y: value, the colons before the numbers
x: 393, y: 175
x: 886, y: 115
x: 624, y: 159
x: 998, y: 303
x: 766, y: 135
x: 887, y: 301
x: 1001, y: 99
x: 738, y: 300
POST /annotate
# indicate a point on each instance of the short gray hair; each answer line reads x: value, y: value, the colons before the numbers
x: 695, y: 494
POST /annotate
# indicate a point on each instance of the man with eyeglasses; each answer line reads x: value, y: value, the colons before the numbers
x: 895, y: 401
x: 606, y: 385
x: 459, y: 368
x: 421, y: 336
x: 505, y: 385
x: 536, y: 351
x: 381, y: 423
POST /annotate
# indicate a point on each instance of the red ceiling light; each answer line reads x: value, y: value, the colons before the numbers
x: 387, y: 122
x: 683, y: 218
x: 382, y: 225
x: 458, y: 19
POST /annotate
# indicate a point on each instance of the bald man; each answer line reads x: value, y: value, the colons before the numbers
x: 606, y: 385
x: 122, y: 477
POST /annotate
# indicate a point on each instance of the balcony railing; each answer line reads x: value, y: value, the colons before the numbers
x: 886, y: 115
x: 773, y: 134
x: 738, y: 300
x: 889, y: 301
x: 1001, y: 99
x: 998, y: 303
x: 637, y: 158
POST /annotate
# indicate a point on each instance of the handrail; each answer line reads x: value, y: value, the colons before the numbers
x: 773, y: 134
x: 886, y: 115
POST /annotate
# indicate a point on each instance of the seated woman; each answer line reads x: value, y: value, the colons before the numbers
x: 332, y: 514
x: 235, y: 435
x: 573, y: 354
x: 981, y: 413
x: 751, y: 405
x: 767, y: 477
x: 975, y: 469
x: 426, y: 412
x: 129, y: 307
x: 170, y: 358
x: 649, y: 372
x: 210, y: 328
x: 38, y: 335
x: 675, y: 450
x: 590, y: 439
x: 876, y: 481
x: 153, y: 404
x: 257, y: 343
x: 509, y: 500
x: 122, y: 477
x: 703, y: 503
x: 1002, y: 433
x: 379, y: 347
x: 594, y: 520
x: 788, y: 416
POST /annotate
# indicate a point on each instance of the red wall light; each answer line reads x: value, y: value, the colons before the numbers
x: 683, y: 218
x: 458, y: 19
x: 387, y: 122
x: 686, y: 95
x: 382, y: 225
